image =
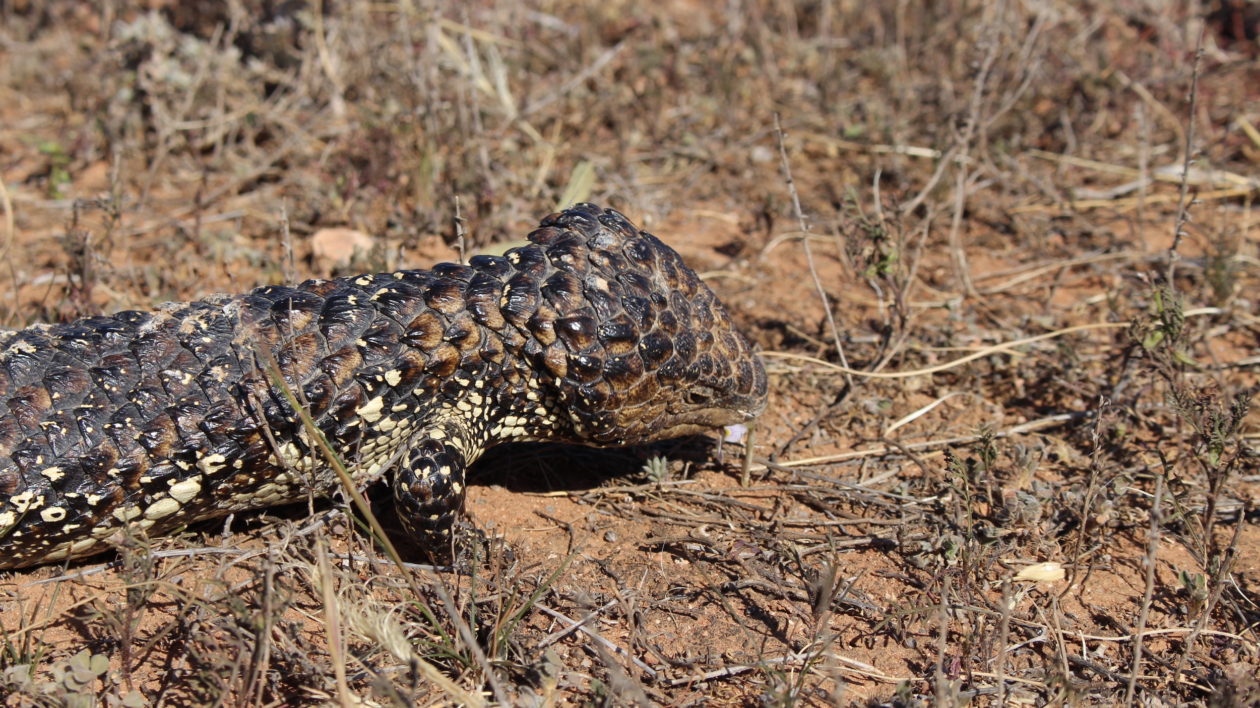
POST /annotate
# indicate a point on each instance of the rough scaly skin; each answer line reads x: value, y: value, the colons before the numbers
x: 595, y: 333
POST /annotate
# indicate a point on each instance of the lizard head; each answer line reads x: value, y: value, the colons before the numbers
x: 636, y: 346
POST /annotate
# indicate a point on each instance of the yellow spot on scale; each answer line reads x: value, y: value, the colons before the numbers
x: 392, y: 377
x: 127, y: 513
x: 81, y: 545
x: 161, y: 508
x: 53, y: 473
x: 211, y: 463
x: 185, y: 491
x: 7, y: 521
x: 371, y: 410
x: 53, y: 514
x: 26, y: 500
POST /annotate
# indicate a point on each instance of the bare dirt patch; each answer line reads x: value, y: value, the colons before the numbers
x: 975, y: 181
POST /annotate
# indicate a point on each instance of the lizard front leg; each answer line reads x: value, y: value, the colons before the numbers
x: 429, y: 487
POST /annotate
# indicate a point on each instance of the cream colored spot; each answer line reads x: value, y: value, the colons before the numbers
x: 7, y: 520
x: 211, y: 463
x: 289, y: 453
x: 161, y: 508
x: 82, y: 545
x: 127, y: 513
x: 393, y: 377
x: 26, y: 500
x: 185, y: 491
x: 54, y: 554
x: 53, y: 514
x: 371, y: 410
x: 53, y: 473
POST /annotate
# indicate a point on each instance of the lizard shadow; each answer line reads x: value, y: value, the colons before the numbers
x: 555, y: 467
x: 559, y: 467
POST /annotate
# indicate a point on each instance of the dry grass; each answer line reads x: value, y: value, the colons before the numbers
x: 1007, y: 459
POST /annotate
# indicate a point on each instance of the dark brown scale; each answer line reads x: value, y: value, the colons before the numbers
x: 623, y: 371
x: 10, y: 434
x: 529, y: 262
x: 543, y: 325
x: 62, y: 433
x: 425, y: 331
x: 482, y: 296
x: 496, y: 267
x: 577, y: 331
x: 344, y: 316
x: 472, y: 367
x: 655, y: 349
x: 295, y: 310
x: 563, y: 291
x: 143, y: 422
x: 10, y: 479
x: 445, y: 296
x: 443, y: 361
x: 520, y: 299
x: 300, y: 355
x: 491, y: 352
x: 463, y: 332
x: 618, y: 335
x: 29, y: 405
x: 401, y: 301
x: 555, y: 359
x: 410, y: 368
x: 27, y: 357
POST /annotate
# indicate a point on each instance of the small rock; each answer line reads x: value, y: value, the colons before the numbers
x: 334, y: 247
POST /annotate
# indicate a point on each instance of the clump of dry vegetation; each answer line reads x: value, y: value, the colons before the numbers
x: 1001, y: 257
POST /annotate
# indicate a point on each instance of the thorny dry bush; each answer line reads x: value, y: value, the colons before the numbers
x: 1071, y: 518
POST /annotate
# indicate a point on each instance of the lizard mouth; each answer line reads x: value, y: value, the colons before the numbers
x: 743, y: 409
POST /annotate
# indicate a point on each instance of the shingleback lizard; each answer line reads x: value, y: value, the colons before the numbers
x: 595, y: 333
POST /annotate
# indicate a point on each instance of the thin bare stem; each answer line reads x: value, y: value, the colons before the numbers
x: 809, y: 254
x: 1183, y: 206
